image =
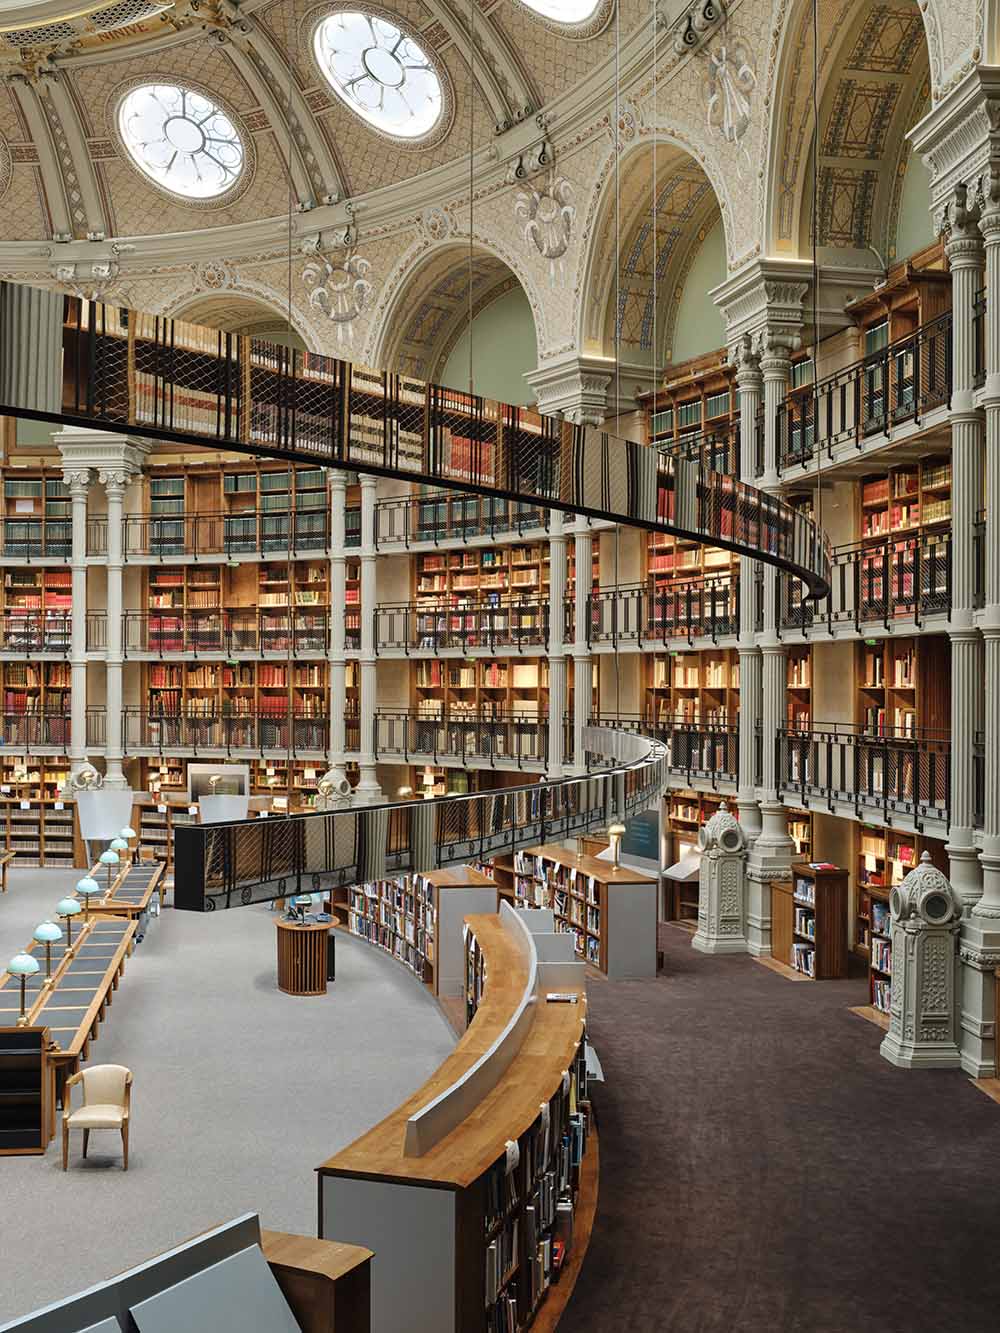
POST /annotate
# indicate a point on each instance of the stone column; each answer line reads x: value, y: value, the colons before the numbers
x: 557, y: 647
x: 748, y: 383
x: 964, y: 249
x: 114, y: 482
x: 78, y: 480
x: 368, y: 790
x: 583, y: 555
x: 338, y: 625
x: 980, y: 933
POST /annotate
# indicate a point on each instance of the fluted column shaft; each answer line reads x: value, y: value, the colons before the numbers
x: 78, y: 481
x: 749, y: 386
x: 583, y: 556
x: 338, y: 637
x: 965, y: 255
x: 557, y: 646
x: 114, y: 484
x: 368, y: 788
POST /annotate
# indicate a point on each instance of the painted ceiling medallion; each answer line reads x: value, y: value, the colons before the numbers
x: 380, y: 72
x: 182, y: 140
x: 340, y: 289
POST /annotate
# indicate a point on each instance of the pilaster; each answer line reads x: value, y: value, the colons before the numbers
x: 556, y: 647
x: 368, y: 790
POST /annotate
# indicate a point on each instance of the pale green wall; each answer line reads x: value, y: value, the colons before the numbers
x: 503, y: 348
x: 913, y: 227
x: 699, y: 326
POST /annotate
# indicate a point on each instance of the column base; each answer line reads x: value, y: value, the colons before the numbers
x: 963, y: 867
x: 368, y: 791
x: 979, y: 957
x: 719, y: 944
x: 907, y: 1055
x: 114, y: 778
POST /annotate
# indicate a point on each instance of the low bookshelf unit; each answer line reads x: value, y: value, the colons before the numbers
x: 809, y: 921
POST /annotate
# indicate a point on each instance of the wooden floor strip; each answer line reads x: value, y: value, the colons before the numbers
x: 782, y: 969
x: 873, y: 1015
x: 991, y: 1086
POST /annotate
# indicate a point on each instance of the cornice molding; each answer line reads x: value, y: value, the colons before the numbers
x: 959, y: 138
x: 575, y: 386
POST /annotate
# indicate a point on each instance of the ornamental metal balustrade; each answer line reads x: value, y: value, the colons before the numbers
x: 485, y: 738
x: 252, y: 532
x: 48, y: 633
x: 897, y: 774
x: 703, y: 606
x: 177, y: 382
x: 428, y: 627
x: 876, y: 581
x: 149, y: 732
x: 229, y: 865
x: 448, y: 517
x: 870, y: 397
x: 211, y: 633
x: 48, y: 729
x: 707, y: 752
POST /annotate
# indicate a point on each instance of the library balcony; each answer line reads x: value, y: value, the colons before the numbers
x: 703, y: 752
x: 901, y: 776
x: 152, y: 734
x: 212, y: 633
x: 47, y: 539
x: 700, y: 607
x: 885, y: 395
x: 716, y: 449
x: 511, y: 625
x: 255, y: 532
x: 878, y: 581
x: 431, y: 520
x: 512, y: 740
x: 46, y: 728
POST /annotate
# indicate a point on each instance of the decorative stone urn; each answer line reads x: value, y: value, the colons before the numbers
x: 722, y: 885
x: 926, y: 915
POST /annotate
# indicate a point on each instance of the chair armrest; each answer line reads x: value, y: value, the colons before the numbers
x: 128, y: 1097
x: 67, y: 1099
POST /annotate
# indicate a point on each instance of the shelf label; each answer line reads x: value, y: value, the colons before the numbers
x: 161, y: 809
x: 59, y: 805
x: 192, y: 809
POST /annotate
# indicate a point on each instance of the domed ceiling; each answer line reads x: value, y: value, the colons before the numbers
x: 343, y: 99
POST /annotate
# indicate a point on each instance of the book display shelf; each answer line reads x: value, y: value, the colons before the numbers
x: 418, y: 920
x: 27, y: 1092
x: 903, y: 688
x: 609, y: 911
x: 809, y: 921
x: 473, y: 1224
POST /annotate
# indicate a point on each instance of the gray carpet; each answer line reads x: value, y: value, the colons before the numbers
x: 240, y: 1092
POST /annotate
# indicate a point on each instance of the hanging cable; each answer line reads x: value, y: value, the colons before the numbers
x: 289, y: 360
x: 815, y: 260
x: 472, y: 121
x: 618, y: 214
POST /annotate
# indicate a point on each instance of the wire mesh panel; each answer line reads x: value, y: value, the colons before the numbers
x: 177, y: 381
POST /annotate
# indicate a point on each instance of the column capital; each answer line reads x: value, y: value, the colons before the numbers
x: 101, y: 451
x: 744, y: 357
x: 78, y: 479
x: 958, y: 221
x: 574, y: 386
x: 114, y: 480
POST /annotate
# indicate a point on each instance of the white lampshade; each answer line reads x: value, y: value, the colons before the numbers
x: 109, y: 858
x: 616, y: 831
x: 87, y: 886
x: 47, y: 932
x: 69, y: 907
x: 127, y: 833
x: 119, y: 845
x: 22, y: 965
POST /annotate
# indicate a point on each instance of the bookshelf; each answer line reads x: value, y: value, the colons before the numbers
x: 693, y: 687
x: 502, y: 687
x: 884, y: 858
x: 610, y: 912
x: 27, y: 1105
x: 36, y: 688
x: 39, y: 831
x: 798, y: 688
x: 903, y: 686
x: 809, y: 921
x: 418, y: 920
x: 473, y: 1231
x: 36, y: 605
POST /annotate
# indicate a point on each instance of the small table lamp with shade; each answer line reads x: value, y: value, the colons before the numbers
x: 616, y: 832
x: 110, y: 859
x: 302, y: 904
x: 129, y: 836
x: 120, y: 846
x: 87, y: 888
x: 48, y: 933
x: 22, y: 965
x: 69, y: 908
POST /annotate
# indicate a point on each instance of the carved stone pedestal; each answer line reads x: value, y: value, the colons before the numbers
x: 722, y: 885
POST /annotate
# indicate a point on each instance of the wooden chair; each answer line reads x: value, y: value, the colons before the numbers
x: 107, y: 1096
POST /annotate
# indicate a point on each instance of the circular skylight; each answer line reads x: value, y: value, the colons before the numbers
x: 570, y: 12
x: 380, y: 72
x: 181, y: 140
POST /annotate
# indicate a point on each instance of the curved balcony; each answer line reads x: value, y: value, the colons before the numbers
x: 892, y: 775
x: 485, y: 739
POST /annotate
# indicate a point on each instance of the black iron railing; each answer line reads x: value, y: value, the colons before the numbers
x: 49, y: 727
x: 706, y: 751
x: 877, y: 581
x: 705, y: 606
x: 148, y: 732
x: 869, y: 397
x: 898, y: 773
x: 480, y: 736
x: 247, y: 533
x: 511, y: 625
x: 451, y: 516
x: 174, y: 381
x: 225, y: 633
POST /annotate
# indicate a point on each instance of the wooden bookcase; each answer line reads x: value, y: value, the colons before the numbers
x: 798, y: 689
x: 809, y: 922
x: 418, y: 920
x: 697, y: 687
x: 611, y: 913
x: 38, y: 687
x: 502, y: 687
x: 27, y: 1106
x: 903, y: 686
x: 40, y: 832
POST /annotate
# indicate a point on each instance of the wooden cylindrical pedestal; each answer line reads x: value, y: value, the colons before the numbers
x: 302, y: 957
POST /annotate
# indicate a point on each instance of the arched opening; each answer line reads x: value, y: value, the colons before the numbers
x: 234, y: 312
x: 426, y: 330
x: 874, y: 85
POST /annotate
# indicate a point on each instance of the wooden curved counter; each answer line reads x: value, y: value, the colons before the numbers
x: 432, y: 1219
